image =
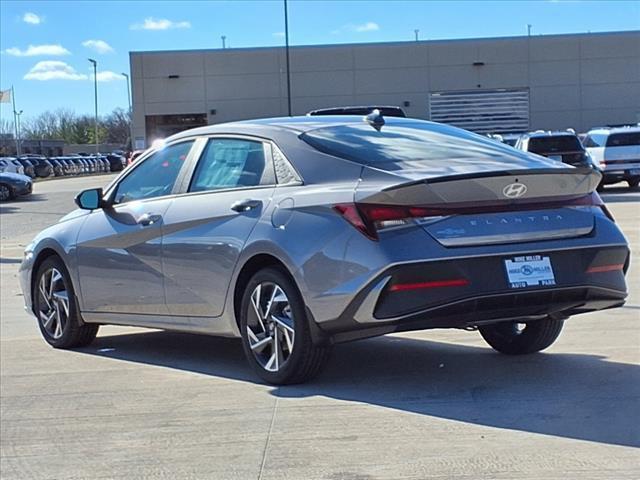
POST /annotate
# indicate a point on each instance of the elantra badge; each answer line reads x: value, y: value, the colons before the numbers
x: 514, y: 190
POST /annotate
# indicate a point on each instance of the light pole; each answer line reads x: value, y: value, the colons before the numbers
x: 416, y: 31
x: 130, y: 111
x: 19, y: 132
x: 224, y: 41
x: 286, y: 38
x: 529, y: 29
x: 95, y: 88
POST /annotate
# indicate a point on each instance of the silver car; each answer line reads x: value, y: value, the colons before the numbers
x: 298, y: 233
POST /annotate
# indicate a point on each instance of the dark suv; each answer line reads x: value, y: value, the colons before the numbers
x: 563, y: 146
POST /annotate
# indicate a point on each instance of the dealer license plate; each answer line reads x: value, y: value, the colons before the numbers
x: 529, y: 271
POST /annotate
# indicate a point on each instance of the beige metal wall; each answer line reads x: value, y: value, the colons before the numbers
x: 576, y: 81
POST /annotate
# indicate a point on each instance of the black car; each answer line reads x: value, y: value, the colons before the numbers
x: 387, y: 111
x: 42, y: 167
x: 563, y: 146
x: 13, y: 185
x: 29, y: 169
x: 116, y: 162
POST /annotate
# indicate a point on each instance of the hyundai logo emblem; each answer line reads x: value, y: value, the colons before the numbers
x: 514, y: 190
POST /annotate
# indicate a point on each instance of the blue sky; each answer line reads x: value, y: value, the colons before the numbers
x: 45, y: 45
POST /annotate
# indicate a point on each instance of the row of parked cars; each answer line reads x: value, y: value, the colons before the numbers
x: 39, y: 166
x: 615, y: 152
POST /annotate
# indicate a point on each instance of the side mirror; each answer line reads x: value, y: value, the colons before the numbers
x: 89, y: 199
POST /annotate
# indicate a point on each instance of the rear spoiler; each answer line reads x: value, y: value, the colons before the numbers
x: 485, y: 187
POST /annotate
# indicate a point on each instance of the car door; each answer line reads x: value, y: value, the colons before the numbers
x: 206, y: 228
x: 119, y: 247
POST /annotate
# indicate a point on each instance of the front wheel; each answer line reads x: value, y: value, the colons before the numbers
x: 634, y: 182
x: 275, y: 330
x: 56, y: 307
x: 513, y: 338
x: 5, y: 192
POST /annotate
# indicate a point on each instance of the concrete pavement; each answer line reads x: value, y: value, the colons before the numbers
x: 435, y: 404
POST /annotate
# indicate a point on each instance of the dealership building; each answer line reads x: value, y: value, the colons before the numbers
x: 485, y: 85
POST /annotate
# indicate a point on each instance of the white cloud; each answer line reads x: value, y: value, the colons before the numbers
x: 32, y: 18
x: 108, y: 76
x: 367, y: 27
x: 278, y: 34
x: 57, y: 70
x: 36, y: 50
x: 358, y: 28
x: 151, y: 23
x: 99, y: 46
x: 54, y: 70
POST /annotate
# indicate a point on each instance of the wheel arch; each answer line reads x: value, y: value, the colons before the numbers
x: 253, y: 265
x: 258, y: 262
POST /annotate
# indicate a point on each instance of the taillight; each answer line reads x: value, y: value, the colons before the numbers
x: 369, y: 218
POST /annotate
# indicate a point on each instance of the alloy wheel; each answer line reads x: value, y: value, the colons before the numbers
x: 270, y: 326
x: 54, y: 302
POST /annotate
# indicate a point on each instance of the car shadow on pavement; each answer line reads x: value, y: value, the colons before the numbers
x: 577, y: 396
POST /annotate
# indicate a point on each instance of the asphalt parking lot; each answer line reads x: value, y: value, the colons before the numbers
x: 435, y: 404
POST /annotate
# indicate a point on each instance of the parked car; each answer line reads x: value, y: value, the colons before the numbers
x: 297, y: 233
x: 116, y: 162
x: 42, y: 167
x: 9, y: 164
x: 387, y: 111
x: 58, y: 169
x: 563, y: 146
x: 106, y: 165
x: 617, y: 151
x: 14, y: 185
x: 508, y: 138
x: 29, y: 169
x: 134, y: 156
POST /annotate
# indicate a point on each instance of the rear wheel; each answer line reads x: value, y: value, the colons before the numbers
x: 5, y: 192
x: 634, y: 182
x: 275, y: 330
x: 56, y: 307
x: 513, y: 338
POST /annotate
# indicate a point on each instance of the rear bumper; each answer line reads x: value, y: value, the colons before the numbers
x: 616, y: 172
x: 582, y: 285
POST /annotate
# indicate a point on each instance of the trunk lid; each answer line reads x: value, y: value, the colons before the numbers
x: 483, y: 208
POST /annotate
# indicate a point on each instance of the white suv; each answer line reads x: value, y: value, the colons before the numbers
x: 617, y: 150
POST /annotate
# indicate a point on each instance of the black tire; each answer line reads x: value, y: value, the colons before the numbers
x: 305, y: 360
x: 634, y: 182
x: 508, y: 338
x: 6, y: 192
x: 74, y: 333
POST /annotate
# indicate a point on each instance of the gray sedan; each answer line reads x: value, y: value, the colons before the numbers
x: 298, y: 233
x: 14, y: 185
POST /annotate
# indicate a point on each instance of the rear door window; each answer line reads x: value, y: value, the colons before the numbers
x: 232, y: 163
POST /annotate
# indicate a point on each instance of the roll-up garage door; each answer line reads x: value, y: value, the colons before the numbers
x: 482, y: 111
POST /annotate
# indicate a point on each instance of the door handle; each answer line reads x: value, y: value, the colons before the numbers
x: 149, y: 219
x: 245, y: 205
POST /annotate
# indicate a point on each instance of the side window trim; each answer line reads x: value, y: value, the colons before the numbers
x: 113, y: 187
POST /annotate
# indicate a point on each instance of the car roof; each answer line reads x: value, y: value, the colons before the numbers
x: 550, y: 133
x: 297, y: 125
x: 610, y: 130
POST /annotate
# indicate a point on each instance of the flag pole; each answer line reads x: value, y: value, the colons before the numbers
x: 15, y: 120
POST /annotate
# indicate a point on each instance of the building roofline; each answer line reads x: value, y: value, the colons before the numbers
x: 396, y: 43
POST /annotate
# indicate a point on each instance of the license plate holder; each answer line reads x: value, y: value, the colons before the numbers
x: 529, y: 271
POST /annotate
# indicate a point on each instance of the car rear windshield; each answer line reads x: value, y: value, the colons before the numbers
x: 561, y: 143
x: 623, y: 139
x: 406, y: 142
